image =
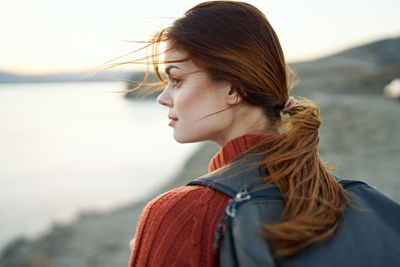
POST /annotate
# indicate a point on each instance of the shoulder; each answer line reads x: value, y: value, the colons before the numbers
x: 182, y: 220
x: 184, y: 205
x: 192, y: 196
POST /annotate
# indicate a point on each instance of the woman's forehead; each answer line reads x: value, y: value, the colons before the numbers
x: 173, y: 54
x: 173, y: 61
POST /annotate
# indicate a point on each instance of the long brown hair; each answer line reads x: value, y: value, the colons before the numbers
x: 234, y: 42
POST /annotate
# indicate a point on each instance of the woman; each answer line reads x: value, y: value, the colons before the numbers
x: 228, y: 82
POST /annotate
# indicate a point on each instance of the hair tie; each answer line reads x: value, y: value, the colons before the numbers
x: 289, y: 105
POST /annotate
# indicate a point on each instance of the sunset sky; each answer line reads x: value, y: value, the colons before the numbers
x: 50, y: 36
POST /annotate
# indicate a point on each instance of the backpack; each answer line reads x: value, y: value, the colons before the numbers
x: 368, y: 235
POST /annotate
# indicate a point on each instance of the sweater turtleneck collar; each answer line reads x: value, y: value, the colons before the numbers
x: 233, y: 149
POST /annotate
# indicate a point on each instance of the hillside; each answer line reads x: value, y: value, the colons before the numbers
x: 360, y: 70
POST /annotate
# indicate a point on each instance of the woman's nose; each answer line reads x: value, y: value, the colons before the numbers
x: 164, y: 99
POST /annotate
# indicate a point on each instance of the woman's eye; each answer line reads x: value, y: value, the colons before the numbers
x: 175, y: 81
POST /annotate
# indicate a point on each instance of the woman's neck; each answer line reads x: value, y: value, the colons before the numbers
x: 247, y: 119
x: 233, y: 149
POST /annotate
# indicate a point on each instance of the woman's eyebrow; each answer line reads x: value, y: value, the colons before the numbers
x: 167, y: 69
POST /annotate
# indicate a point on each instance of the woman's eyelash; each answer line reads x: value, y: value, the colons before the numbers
x: 175, y: 81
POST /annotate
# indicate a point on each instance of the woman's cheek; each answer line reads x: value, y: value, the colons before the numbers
x: 184, y: 102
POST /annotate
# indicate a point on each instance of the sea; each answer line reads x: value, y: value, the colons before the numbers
x: 67, y: 148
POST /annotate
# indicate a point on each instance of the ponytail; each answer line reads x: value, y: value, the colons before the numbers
x: 313, y: 199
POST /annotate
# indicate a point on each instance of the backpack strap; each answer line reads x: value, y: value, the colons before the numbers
x: 240, y: 174
x: 238, y: 178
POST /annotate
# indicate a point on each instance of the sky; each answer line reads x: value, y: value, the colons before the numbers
x: 53, y: 36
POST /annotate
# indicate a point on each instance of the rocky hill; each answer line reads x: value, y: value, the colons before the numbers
x: 360, y: 70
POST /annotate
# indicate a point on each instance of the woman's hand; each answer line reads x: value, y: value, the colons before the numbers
x: 131, y: 243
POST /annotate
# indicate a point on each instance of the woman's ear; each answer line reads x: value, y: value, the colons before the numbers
x: 233, y: 96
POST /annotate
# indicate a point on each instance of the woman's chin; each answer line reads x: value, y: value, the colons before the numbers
x: 185, y: 139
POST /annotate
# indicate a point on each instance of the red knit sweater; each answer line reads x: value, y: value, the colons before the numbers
x: 177, y: 228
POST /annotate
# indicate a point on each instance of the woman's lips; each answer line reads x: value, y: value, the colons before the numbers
x: 172, y: 120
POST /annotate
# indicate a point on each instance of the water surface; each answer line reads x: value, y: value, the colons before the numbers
x: 70, y: 147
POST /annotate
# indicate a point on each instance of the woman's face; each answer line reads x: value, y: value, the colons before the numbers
x: 194, y: 102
